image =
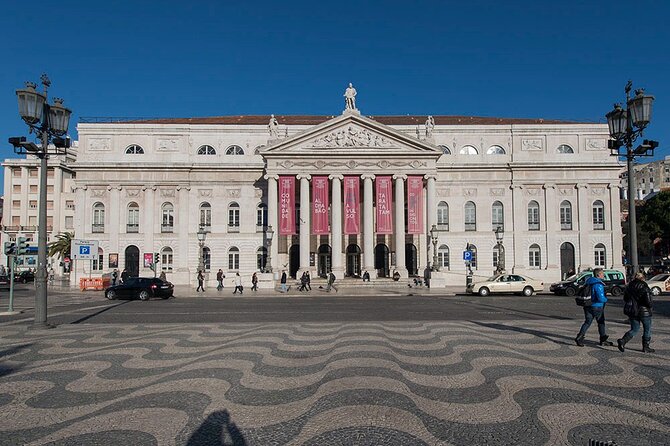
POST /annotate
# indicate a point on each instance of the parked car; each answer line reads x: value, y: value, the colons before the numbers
x: 506, y: 283
x: 659, y: 284
x: 614, y: 280
x: 24, y: 276
x: 4, y: 282
x: 142, y: 288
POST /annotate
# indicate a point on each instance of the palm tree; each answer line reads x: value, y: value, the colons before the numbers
x: 61, y: 246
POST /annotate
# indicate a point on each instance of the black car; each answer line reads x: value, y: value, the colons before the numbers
x: 615, y: 283
x: 4, y: 282
x: 143, y: 288
x: 24, y: 276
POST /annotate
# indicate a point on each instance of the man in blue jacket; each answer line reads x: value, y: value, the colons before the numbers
x: 596, y: 310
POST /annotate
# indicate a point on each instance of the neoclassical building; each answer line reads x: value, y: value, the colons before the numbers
x: 348, y: 193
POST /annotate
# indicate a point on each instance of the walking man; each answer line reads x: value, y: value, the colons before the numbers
x: 303, y: 282
x: 238, y: 283
x: 282, y: 281
x: 201, y: 282
x: 115, y: 276
x: 331, y: 282
x: 219, y: 279
x: 637, y: 306
x: 308, y: 281
x: 596, y: 310
x: 124, y: 275
x: 254, y: 282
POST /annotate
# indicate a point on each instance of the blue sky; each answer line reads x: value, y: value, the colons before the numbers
x: 560, y: 60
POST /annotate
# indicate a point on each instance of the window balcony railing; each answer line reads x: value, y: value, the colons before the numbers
x: 599, y: 226
x: 207, y: 228
x: 29, y: 228
x: 233, y: 228
x: 566, y: 226
x: 443, y: 226
x: 495, y: 226
x: 12, y: 228
x: 97, y: 228
x: 533, y: 226
x: 471, y: 226
x: 132, y: 228
x: 167, y: 228
x: 261, y: 228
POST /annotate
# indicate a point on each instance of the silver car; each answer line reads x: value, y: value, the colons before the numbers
x: 506, y: 283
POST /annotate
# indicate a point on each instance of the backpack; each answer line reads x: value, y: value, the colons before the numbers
x: 583, y: 297
x: 331, y: 276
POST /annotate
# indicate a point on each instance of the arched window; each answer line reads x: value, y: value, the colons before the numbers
x: 98, y: 261
x: 598, y: 215
x: 445, y: 150
x: 234, y: 150
x: 167, y: 217
x: 470, y: 216
x: 207, y: 258
x: 495, y: 256
x: 498, y: 215
x: 473, y: 262
x: 443, y: 216
x: 98, y: 217
x: 261, y: 258
x: 469, y: 150
x: 599, y: 256
x: 206, y: 150
x: 443, y: 256
x: 133, y: 223
x: 233, y: 217
x: 206, y: 216
x: 261, y: 217
x: 534, y: 257
x: 495, y: 150
x: 134, y: 149
x: 233, y: 259
x: 166, y: 259
x: 533, y: 216
x: 564, y: 148
x: 566, y: 215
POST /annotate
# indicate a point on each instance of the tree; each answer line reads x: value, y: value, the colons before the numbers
x: 654, y: 219
x: 61, y: 246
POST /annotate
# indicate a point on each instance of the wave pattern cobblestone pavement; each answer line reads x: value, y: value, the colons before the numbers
x: 434, y: 383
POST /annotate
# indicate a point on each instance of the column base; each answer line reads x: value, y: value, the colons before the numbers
x: 339, y: 273
x: 404, y: 274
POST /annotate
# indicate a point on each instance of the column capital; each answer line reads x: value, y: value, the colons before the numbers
x: 271, y: 177
x: 581, y: 186
x: 183, y: 187
x: 400, y: 177
x: 430, y: 176
x: 304, y: 176
x: 549, y: 186
x: 367, y: 176
x: 613, y: 186
x: 336, y: 176
x: 516, y: 186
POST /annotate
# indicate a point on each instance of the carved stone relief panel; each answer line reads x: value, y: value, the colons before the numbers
x: 258, y: 193
x: 352, y: 136
x: 167, y: 144
x: 533, y: 191
x: 566, y: 190
x: 598, y: 191
x: 98, y: 193
x: 167, y: 193
x: 470, y: 192
x: 497, y: 191
x: 204, y: 192
x: 442, y: 192
x: 531, y: 144
x: 132, y: 193
x: 100, y: 144
x: 596, y: 144
x: 233, y: 193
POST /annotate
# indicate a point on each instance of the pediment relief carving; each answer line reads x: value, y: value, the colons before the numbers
x: 353, y: 164
x: 351, y: 136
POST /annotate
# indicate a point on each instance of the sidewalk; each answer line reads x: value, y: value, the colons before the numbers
x: 185, y: 291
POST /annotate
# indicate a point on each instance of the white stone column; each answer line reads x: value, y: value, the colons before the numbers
x: 81, y: 227
x: 400, y: 225
x: 368, y: 226
x: 114, y: 218
x: 182, y: 220
x: 519, y: 262
x: 584, y: 227
x: 147, y: 225
x: 431, y: 213
x: 551, y: 227
x: 272, y: 221
x: 614, y: 259
x: 59, y: 204
x: 305, y: 229
x: 25, y: 181
x: 336, y: 225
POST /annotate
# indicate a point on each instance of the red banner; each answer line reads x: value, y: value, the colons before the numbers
x: 286, y: 205
x: 352, y: 199
x: 415, y: 205
x: 384, y: 189
x: 320, y: 205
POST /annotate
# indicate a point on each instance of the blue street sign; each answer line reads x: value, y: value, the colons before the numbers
x: 84, y: 250
x: 467, y: 256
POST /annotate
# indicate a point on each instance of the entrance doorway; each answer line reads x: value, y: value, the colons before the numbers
x: 353, y: 260
x: 567, y: 259
x: 411, y: 259
x: 132, y: 260
x: 325, y: 260
x: 382, y: 260
x: 293, y: 260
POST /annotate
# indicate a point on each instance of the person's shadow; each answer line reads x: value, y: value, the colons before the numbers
x: 217, y: 429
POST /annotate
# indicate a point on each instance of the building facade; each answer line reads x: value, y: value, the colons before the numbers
x: 650, y: 178
x: 148, y: 186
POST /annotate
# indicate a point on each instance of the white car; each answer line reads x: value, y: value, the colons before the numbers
x: 659, y: 284
x: 506, y: 283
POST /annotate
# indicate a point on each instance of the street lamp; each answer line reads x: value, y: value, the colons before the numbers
x: 50, y: 123
x: 202, y: 235
x: 625, y: 126
x: 434, y: 233
x: 268, y: 263
x: 500, y: 264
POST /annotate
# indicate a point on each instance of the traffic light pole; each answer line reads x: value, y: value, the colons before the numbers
x: 41, y: 273
x: 12, y: 261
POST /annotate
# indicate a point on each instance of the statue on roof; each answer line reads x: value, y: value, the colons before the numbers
x: 430, y: 125
x: 350, y: 98
x: 273, y: 127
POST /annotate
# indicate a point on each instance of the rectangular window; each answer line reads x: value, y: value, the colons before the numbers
x: 206, y: 218
x: 233, y: 261
x: 16, y: 189
x: 50, y: 189
x: 599, y: 257
x: 32, y: 204
x: 166, y: 259
x: 470, y: 219
x: 16, y: 204
x: 566, y: 218
x: 498, y: 217
x: 17, y: 172
x: 33, y: 188
x: 598, y: 217
x: 533, y: 218
x: 534, y: 258
x: 69, y: 222
x: 32, y: 173
x: 50, y: 204
x: 495, y: 258
x: 32, y: 220
x: 97, y: 263
x: 69, y: 204
x: 16, y: 220
x: 167, y: 224
x: 133, y: 224
x: 233, y: 220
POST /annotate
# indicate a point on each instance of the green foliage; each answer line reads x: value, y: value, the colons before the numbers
x: 654, y: 218
x: 61, y: 246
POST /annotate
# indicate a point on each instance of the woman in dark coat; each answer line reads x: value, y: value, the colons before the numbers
x: 637, y: 306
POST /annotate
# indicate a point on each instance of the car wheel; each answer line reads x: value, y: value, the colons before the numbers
x: 616, y: 291
x: 570, y: 291
x: 144, y: 295
x: 656, y: 291
x: 528, y: 291
x: 483, y: 291
x: 111, y: 294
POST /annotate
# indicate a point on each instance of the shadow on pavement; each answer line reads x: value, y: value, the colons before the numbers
x: 97, y: 313
x: 4, y: 368
x: 217, y: 429
x: 539, y: 334
x: 549, y: 316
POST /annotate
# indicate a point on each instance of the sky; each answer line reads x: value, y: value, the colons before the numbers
x: 535, y: 59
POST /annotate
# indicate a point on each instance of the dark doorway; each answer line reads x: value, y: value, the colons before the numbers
x: 293, y: 260
x: 353, y: 261
x: 325, y: 260
x: 411, y: 259
x: 567, y: 260
x: 133, y: 260
x: 382, y: 260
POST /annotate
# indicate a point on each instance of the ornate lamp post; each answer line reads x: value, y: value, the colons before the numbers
x: 434, y: 233
x: 625, y: 126
x: 202, y: 235
x: 500, y: 265
x: 50, y: 123
x: 268, y: 263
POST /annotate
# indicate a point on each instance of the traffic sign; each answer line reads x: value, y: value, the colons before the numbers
x: 84, y: 249
x: 467, y: 256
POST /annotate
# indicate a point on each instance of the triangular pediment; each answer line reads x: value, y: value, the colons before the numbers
x: 351, y: 133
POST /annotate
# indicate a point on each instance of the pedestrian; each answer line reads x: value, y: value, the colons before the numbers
x: 163, y: 276
x: 331, y: 282
x: 51, y: 276
x: 366, y: 276
x: 238, y: 283
x: 396, y: 275
x: 596, y: 310
x: 124, y: 275
x: 201, y: 281
x: 115, y: 276
x: 303, y: 282
x: 254, y: 282
x: 219, y: 278
x: 637, y: 306
x: 282, y: 281
x: 308, y: 280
